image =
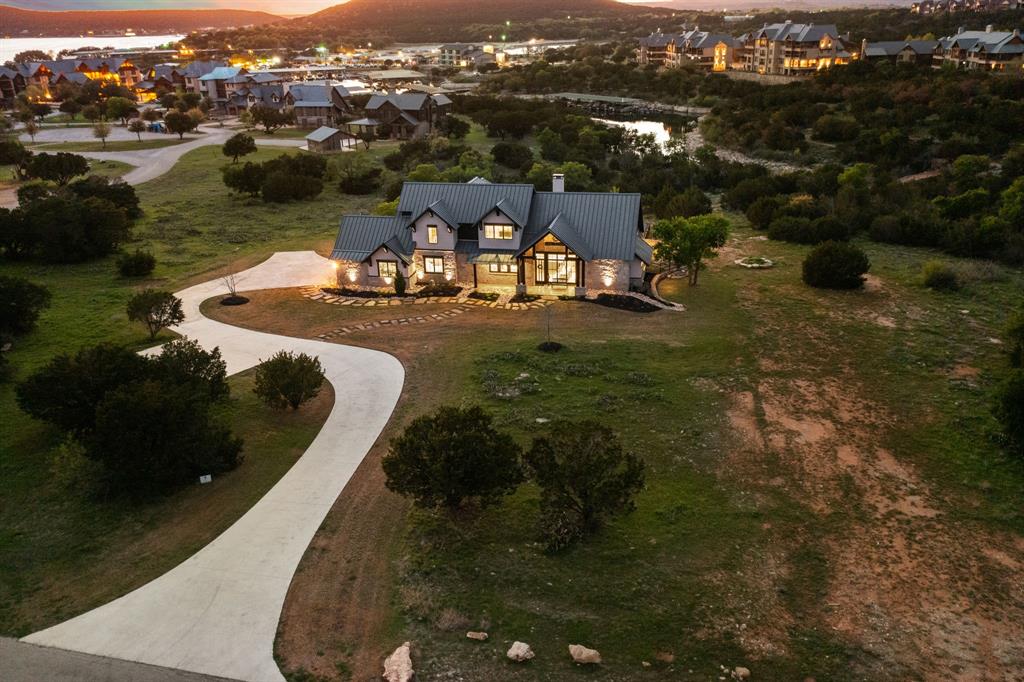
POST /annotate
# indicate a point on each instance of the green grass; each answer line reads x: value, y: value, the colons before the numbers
x: 196, y: 229
x: 63, y: 551
x: 112, y: 145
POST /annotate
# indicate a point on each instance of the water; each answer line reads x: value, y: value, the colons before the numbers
x: 663, y: 131
x: 12, y: 46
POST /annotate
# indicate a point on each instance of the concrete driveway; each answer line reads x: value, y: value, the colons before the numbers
x: 217, y: 612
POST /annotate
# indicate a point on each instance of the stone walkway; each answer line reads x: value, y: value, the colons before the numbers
x: 503, y: 302
x: 391, y: 324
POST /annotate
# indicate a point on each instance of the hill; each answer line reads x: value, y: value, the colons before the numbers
x: 420, y: 21
x: 16, y: 22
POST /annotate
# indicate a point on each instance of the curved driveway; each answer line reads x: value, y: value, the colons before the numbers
x: 217, y: 612
x: 151, y: 163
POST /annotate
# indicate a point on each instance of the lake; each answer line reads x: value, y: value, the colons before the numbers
x: 12, y: 46
x: 663, y: 131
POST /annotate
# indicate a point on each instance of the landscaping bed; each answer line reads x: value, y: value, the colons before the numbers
x: 525, y: 298
x: 483, y: 296
x: 621, y: 302
x: 438, y: 290
x: 355, y: 293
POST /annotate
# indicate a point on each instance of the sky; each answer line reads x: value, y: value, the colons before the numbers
x: 285, y: 7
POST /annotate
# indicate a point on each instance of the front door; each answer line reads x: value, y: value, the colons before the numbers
x: 555, y: 268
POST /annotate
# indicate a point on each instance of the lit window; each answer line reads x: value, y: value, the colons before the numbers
x: 498, y: 231
x: 431, y: 234
x: 502, y: 268
x: 387, y: 268
x: 433, y: 265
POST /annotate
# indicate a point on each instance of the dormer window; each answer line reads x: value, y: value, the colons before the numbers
x: 497, y: 231
x: 431, y: 234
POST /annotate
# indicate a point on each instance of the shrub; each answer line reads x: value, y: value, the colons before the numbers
x: 939, y: 276
x: 69, y: 230
x: 399, y: 283
x: 117, y: 192
x: 801, y: 230
x: 184, y: 362
x: 584, y: 476
x: 60, y: 167
x: 282, y: 186
x: 152, y: 437
x: 138, y: 264
x: 976, y: 238
x: 155, y: 309
x: 288, y: 380
x: 835, y: 265
x: 247, y: 178
x: 762, y: 211
x: 691, y: 202
x: 453, y: 456
x: 908, y: 229
x: 1015, y: 339
x: 21, y: 302
x: 1009, y: 409
x: 512, y: 154
x: 66, y: 390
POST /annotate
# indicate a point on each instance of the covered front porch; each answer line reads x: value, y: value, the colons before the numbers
x: 547, y: 268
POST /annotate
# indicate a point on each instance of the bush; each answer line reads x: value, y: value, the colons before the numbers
x: 152, y: 437
x: 21, y: 302
x: 939, y: 276
x: 801, y: 230
x: 585, y: 477
x: 1015, y: 339
x: 58, y: 229
x: 138, y: 264
x: 512, y: 154
x: 288, y: 380
x: 117, y: 192
x: 282, y: 186
x: 60, y: 167
x: 238, y: 145
x: 247, y: 178
x: 907, y: 229
x: 1009, y: 409
x: 762, y: 211
x: 452, y: 456
x: 155, y: 309
x: 835, y: 265
x: 399, y: 283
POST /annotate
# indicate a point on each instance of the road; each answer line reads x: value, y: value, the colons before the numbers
x: 217, y: 612
x: 150, y: 163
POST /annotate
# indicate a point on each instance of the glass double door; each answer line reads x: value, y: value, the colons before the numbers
x: 555, y: 268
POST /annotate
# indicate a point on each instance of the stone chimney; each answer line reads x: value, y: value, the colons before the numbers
x: 558, y: 182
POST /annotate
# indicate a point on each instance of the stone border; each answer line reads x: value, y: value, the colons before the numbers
x: 754, y: 266
x: 503, y: 303
x: 397, y: 322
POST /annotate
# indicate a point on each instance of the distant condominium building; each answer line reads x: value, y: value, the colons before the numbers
x: 991, y: 50
x: 791, y: 49
x: 711, y: 51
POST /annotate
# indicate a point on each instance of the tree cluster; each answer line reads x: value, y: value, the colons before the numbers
x: 289, y: 177
x: 147, y: 422
x: 456, y: 456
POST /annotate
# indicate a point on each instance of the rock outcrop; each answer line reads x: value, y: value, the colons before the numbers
x: 584, y: 655
x: 398, y: 666
x: 519, y: 652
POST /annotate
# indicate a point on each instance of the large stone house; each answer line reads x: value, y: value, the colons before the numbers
x: 11, y: 83
x: 990, y: 50
x: 498, y: 237
x: 790, y: 49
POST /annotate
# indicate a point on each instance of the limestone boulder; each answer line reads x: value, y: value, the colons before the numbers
x: 398, y: 666
x: 583, y: 655
x: 519, y: 652
x: 478, y: 636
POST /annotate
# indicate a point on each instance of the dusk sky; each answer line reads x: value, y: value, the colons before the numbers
x: 290, y: 7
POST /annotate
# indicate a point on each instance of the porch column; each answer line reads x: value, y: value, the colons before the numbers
x: 520, y: 275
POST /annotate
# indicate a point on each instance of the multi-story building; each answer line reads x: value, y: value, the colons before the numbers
x: 792, y: 49
x: 711, y: 51
x: 991, y: 50
x: 654, y: 48
x: 917, y: 52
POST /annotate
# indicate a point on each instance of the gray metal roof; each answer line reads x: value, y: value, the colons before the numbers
x: 594, y: 225
x: 322, y: 134
x: 801, y: 33
x: 467, y: 203
x: 406, y: 101
x: 607, y: 222
x: 361, y: 235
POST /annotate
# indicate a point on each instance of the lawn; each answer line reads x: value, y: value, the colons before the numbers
x: 112, y: 146
x: 62, y: 551
x: 197, y: 230
x: 821, y: 469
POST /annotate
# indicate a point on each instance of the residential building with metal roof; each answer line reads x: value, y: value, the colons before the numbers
x: 498, y: 236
